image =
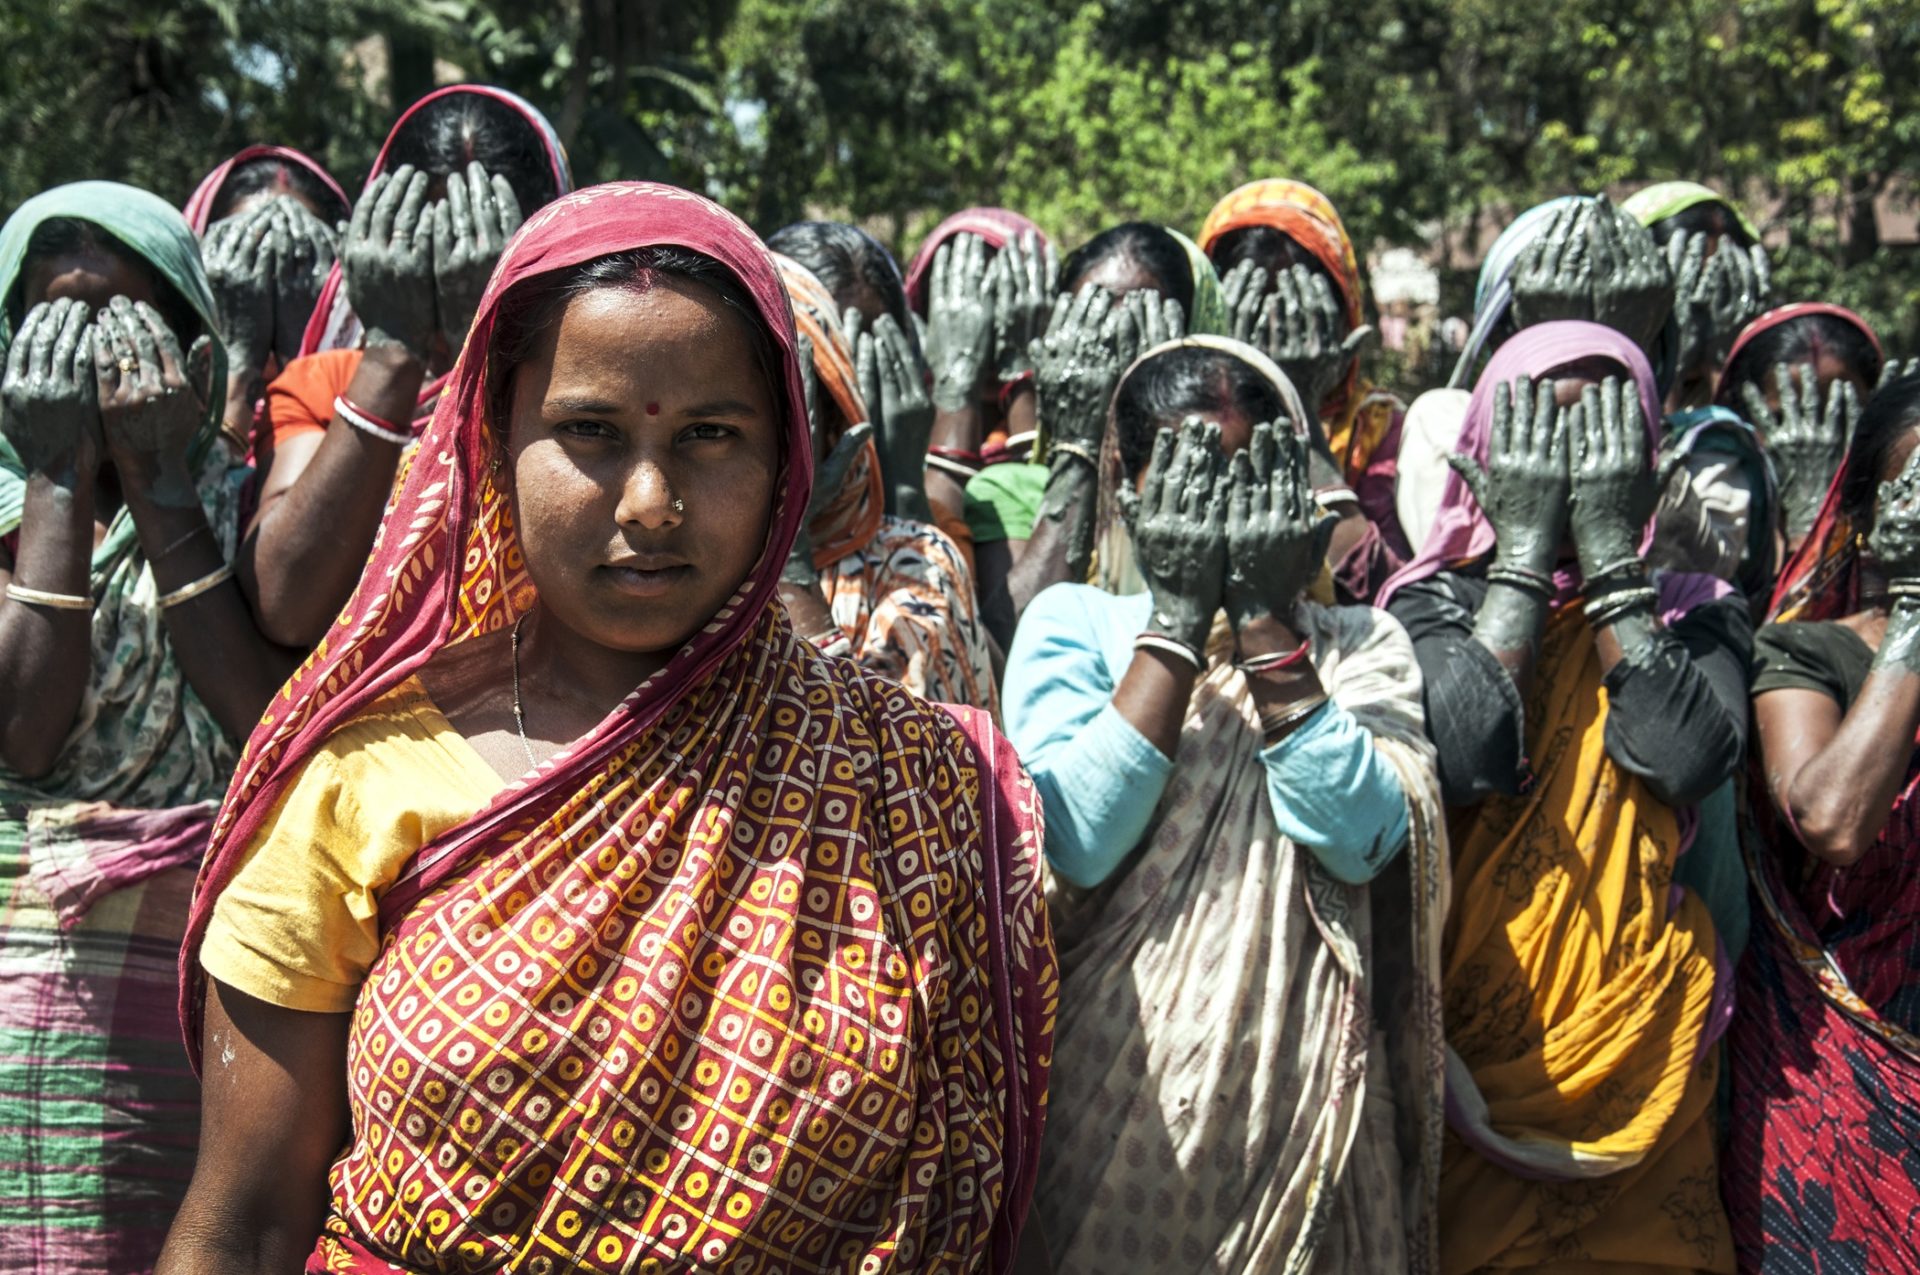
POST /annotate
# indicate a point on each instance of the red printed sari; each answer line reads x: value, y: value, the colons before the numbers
x: 754, y: 976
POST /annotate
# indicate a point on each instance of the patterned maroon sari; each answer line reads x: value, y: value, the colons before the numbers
x: 755, y: 976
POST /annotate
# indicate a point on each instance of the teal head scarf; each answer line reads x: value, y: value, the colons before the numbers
x: 154, y: 231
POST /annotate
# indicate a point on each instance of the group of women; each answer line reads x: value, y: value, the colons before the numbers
x: 504, y: 763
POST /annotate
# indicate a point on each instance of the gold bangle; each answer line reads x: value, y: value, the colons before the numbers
x: 41, y: 598
x: 188, y: 592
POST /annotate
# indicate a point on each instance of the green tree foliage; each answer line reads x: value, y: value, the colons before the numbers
x: 1414, y: 115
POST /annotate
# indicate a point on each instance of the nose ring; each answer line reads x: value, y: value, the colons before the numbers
x: 679, y: 505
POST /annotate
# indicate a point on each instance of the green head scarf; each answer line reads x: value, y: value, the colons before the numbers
x: 1209, y: 316
x: 156, y: 232
x: 1669, y: 199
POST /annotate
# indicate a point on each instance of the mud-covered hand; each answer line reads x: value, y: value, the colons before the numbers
x: 1277, y: 534
x: 1077, y: 364
x: 1693, y: 319
x: 1154, y: 320
x: 1633, y: 287
x: 149, y: 407
x: 1524, y: 490
x: 1244, y: 292
x: 1895, y: 538
x: 830, y: 469
x: 1178, y: 522
x: 1305, y: 332
x: 241, y: 259
x: 893, y: 383
x: 960, y: 311
x: 1553, y: 279
x: 386, y: 260
x: 1806, y: 436
x: 1739, y: 284
x: 1615, y: 486
x: 471, y: 227
x: 49, y: 408
x: 1022, y: 302
x: 1897, y: 370
x: 304, y: 251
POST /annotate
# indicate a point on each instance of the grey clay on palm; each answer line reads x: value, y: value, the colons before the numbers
x: 1276, y: 535
x: 960, y: 312
x: 49, y: 409
x: 1178, y: 522
x: 386, y: 261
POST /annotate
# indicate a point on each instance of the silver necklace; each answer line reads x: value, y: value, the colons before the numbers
x: 519, y: 711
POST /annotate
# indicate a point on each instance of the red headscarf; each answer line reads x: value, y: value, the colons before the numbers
x: 1724, y: 390
x: 998, y: 226
x: 199, y: 209
x: 334, y: 325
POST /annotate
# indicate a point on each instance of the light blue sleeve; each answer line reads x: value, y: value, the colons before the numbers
x: 1333, y: 793
x: 1099, y: 778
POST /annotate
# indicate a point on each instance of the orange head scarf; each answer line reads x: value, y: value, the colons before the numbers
x: 852, y: 517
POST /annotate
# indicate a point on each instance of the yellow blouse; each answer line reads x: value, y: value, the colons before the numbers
x: 298, y: 926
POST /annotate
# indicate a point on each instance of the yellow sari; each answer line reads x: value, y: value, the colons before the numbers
x: 1579, y: 991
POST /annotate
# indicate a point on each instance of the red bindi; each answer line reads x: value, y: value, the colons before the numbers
x: 653, y: 409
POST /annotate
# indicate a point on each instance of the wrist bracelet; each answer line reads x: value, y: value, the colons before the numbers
x: 952, y: 468
x: 1291, y: 714
x: 959, y: 454
x: 1619, y: 566
x: 1276, y: 659
x: 1525, y: 579
x: 203, y: 527
x: 1171, y: 646
x: 1074, y: 450
x: 188, y: 592
x: 384, y: 430
x: 41, y: 598
x: 1909, y: 588
x: 1609, y: 607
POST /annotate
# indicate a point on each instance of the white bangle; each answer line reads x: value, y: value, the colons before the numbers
x: 366, y: 424
x: 951, y: 467
x: 188, y: 592
x: 1172, y: 646
x: 41, y: 598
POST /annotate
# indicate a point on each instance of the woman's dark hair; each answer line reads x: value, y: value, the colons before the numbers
x: 531, y: 308
x: 1893, y: 410
x: 1146, y: 245
x: 1711, y: 217
x: 272, y: 175
x: 72, y: 237
x: 1265, y: 246
x: 450, y: 132
x: 1799, y: 340
x: 1190, y: 380
x: 849, y: 261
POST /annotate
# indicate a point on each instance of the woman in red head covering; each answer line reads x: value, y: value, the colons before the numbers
x: 568, y: 912
x: 458, y: 172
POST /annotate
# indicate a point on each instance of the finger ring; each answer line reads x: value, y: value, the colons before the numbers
x: 128, y: 363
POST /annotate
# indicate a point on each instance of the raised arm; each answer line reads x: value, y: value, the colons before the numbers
x: 50, y: 413
x: 1836, y: 776
x: 1101, y: 752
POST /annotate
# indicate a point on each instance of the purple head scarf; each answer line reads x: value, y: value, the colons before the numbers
x: 1461, y: 532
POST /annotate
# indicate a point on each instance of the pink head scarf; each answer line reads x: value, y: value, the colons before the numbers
x: 1461, y: 532
x: 997, y: 226
x: 199, y: 209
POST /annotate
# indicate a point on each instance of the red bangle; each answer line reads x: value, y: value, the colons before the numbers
x: 1275, y: 660
x: 957, y: 454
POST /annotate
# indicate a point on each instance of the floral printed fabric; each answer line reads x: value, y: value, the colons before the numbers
x: 906, y: 603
